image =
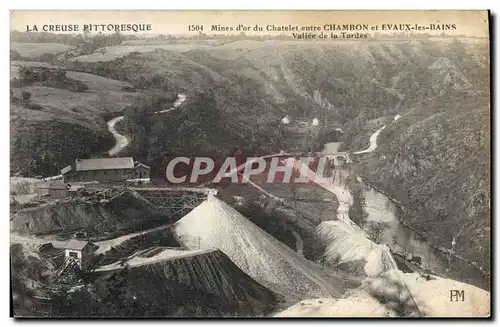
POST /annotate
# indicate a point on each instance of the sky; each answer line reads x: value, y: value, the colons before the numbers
x: 470, y: 23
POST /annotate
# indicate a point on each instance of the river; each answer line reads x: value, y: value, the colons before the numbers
x: 401, y: 239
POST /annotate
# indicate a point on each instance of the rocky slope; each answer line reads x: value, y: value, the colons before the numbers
x: 195, y: 284
x: 438, y: 167
x: 122, y: 214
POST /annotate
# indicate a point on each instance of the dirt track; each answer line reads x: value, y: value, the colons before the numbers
x: 121, y: 140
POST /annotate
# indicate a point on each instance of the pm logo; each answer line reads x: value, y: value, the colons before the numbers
x: 457, y: 296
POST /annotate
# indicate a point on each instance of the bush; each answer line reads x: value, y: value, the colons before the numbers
x: 79, y: 86
x: 376, y: 229
x: 43, y: 149
x: 26, y: 96
x: 48, y: 77
x: 15, y: 82
x: 127, y: 88
x: 33, y: 106
x: 47, y: 57
x: 15, y: 55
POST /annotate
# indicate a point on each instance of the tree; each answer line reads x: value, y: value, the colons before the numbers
x: 376, y: 229
x: 47, y: 57
x: 357, y: 211
x: 15, y: 55
x: 26, y: 96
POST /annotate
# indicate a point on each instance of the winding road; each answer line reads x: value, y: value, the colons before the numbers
x: 104, y: 246
x: 121, y: 141
x: 373, y: 142
x: 180, y: 99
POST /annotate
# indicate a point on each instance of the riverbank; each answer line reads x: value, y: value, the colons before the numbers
x: 405, y: 239
x: 423, y: 235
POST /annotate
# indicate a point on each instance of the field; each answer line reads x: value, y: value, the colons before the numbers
x: 104, y: 96
x: 16, y: 64
x: 57, y: 125
x: 80, y: 108
x: 99, y: 83
x: 31, y: 50
x: 226, y: 50
x: 113, y: 52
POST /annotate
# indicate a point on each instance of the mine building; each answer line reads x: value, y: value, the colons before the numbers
x: 105, y: 170
x: 80, y: 251
x: 52, y: 189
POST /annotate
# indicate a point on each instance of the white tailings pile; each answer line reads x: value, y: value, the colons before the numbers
x: 429, y: 298
x: 345, y: 245
x: 432, y: 297
x: 353, y: 306
x: 344, y: 240
x: 24, y: 185
x: 215, y: 224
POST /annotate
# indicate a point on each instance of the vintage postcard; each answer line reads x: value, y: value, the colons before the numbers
x: 250, y: 164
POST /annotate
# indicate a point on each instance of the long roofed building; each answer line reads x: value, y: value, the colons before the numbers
x: 105, y: 170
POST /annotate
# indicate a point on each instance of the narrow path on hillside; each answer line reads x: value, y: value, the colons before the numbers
x: 373, y: 142
x: 135, y: 260
x: 38, y: 240
x: 274, y: 197
x: 104, y: 246
x: 180, y: 100
x: 121, y: 141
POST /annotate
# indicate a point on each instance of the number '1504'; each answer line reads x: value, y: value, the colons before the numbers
x: 195, y: 28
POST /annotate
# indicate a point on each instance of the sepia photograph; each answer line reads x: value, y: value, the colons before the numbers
x: 250, y: 164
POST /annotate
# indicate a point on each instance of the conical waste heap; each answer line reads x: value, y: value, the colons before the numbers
x: 215, y: 224
x: 190, y: 283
